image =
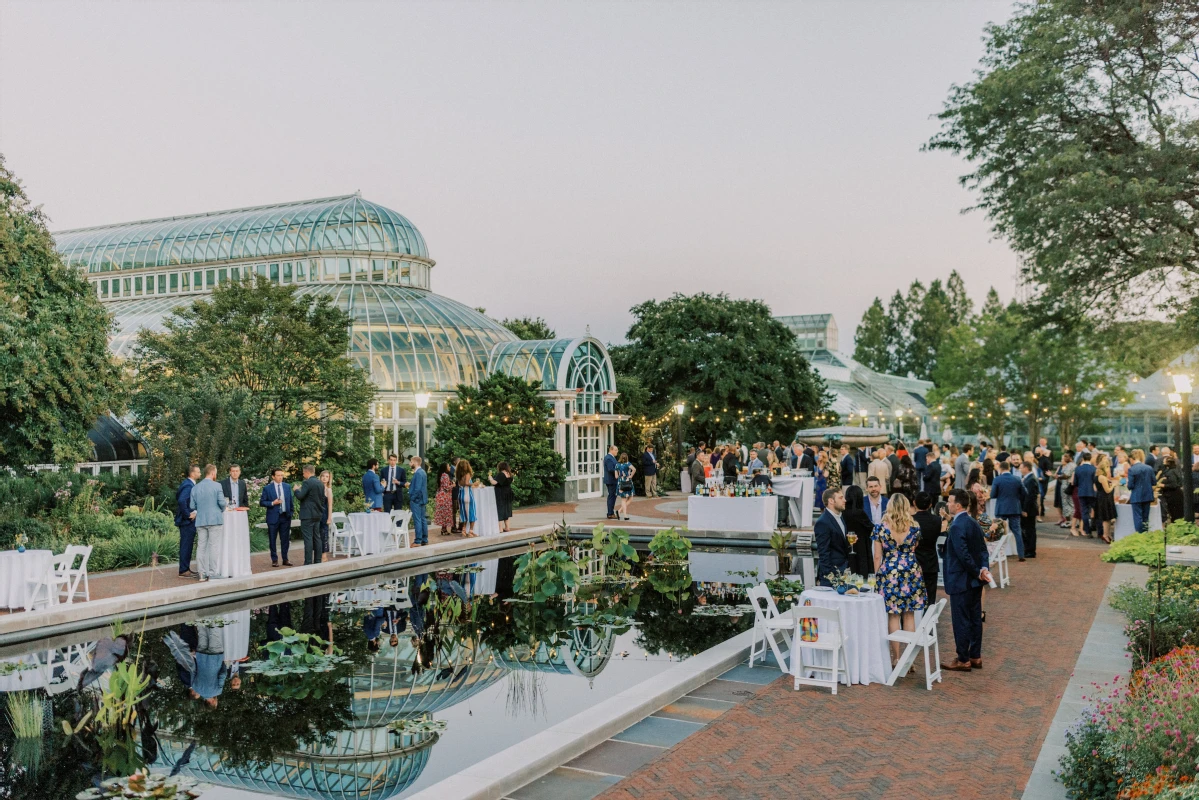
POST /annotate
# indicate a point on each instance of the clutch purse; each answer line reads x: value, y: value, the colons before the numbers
x: 809, y: 629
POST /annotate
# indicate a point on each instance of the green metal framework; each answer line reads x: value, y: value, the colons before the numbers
x: 579, y: 365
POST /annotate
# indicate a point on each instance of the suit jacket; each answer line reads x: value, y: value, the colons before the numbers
x: 183, y: 508
x: 208, y: 501
x: 926, y: 548
x: 312, y: 498
x: 1008, y: 494
x: 418, y: 489
x: 919, y: 457
x: 1150, y: 461
x: 274, y: 512
x: 965, y: 555
x: 649, y: 464
x: 961, y: 471
x: 1140, y: 483
x: 1084, y: 479
x: 401, y: 478
x: 372, y: 490
x: 609, y: 470
x: 697, y: 473
x: 847, y: 470
x: 1030, y: 505
x: 893, y: 460
x: 882, y: 505
x: 832, y: 548
x: 241, y: 499
x: 932, y: 477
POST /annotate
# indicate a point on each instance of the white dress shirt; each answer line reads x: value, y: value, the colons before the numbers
x: 875, y: 509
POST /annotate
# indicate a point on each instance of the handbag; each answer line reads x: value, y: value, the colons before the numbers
x: 809, y: 629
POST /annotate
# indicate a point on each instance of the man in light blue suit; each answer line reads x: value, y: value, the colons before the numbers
x: 1140, y: 486
x: 372, y: 487
x: 208, y: 501
x: 418, y: 500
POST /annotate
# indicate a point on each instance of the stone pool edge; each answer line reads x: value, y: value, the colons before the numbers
x: 526, y: 761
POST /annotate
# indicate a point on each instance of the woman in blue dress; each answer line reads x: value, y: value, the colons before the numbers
x: 624, y: 484
x: 899, y: 576
x: 466, y: 497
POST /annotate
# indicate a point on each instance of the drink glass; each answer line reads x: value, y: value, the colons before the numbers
x: 853, y: 538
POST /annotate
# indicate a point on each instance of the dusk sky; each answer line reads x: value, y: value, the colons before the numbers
x: 564, y: 160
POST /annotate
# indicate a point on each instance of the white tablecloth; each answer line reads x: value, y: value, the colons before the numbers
x: 801, y: 497
x: 1124, y: 519
x: 373, y: 527
x: 487, y: 519
x: 237, y: 635
x: 234, y: 558
x: 865, y: 620
x: 745, y: 514
x: 16, y: 570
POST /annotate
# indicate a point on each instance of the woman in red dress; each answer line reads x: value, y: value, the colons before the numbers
x: 443, y: 514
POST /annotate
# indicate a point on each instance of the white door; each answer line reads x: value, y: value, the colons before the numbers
x: 588, y: 460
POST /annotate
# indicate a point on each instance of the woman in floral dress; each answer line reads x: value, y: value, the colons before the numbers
x: 443, y: 514
x: 899, y: 573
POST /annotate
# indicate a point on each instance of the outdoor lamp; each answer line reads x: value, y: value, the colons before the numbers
x: 1175, y: 398
x: 862, y: 412
x: 1182, y: 384
x: 422, y: 402
x: 899, y: 412
x: 679, y: 408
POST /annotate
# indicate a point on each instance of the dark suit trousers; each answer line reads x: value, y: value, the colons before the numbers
x: 281, y: 528
x: 187, y: 542
x: 393, y: 500
x: 1140, y: 517
x: 311, y: 528
x: 966, y: 610
x: 611, y: 487
x: 1028, y: 530
x: 1087, y: 504
x: 928, y: 568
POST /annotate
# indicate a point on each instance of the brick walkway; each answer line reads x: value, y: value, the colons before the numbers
x: 975, y: 735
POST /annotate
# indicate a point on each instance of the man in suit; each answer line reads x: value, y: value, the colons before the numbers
x: 1008, y: 494
x: 876, y: 501
x: 892, y: 461
x: 1151, y: 458
x: 394, y: 481
x: 649, y: 471
x: 1030, y: 506
x: 1084, y: 480
x: 311, y: 494
x: 1140, y: 487
x: 372, y: 487
x: 234, y: 487
x: 185, y: 521
x: 966, y: 572
x: 932, y: 475
x: 832, y: 546
x: 610, y: 480
x: 208, y: 501
x: 861, y: 463
x: 961, y: 467
x: 1044, y: 456
x: 919, y: 460
x: 277, y: 500
x: 847, y: 466
x: 418, y: 500
x: 926, y: 549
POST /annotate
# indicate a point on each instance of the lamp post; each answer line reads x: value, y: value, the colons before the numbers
x: 899, y: 419
x: 1176, y: 412
x: 862, y: 413
x: 1182, y: 385
x: 679, y: 408
x: 422, y: 402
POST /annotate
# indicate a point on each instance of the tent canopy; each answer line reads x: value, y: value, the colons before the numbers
x: 844, y: 434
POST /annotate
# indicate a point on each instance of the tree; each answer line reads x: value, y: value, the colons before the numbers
x: 929, y: 322
x: 57, y: 376
x: 504, y: 419
x: 897, y: 331
x: 960, y: 306
x: 870, y: 339
x: 1142, y: 347
x: 265, y: 370
x: 530, y: 328
x: 972, y: 376
x: 736, y: 367
x: 1083, y: 134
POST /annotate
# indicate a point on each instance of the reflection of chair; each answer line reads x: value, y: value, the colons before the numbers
x: 925, y: 636
x: 768, y: 620
x: 832, y: 642
x: 343, y: 531
x: 398, y: 533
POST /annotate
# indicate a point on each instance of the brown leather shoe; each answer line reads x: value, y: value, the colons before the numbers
x: 976, y: 663
x: 957, y: 666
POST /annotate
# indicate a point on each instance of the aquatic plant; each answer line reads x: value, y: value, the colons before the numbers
x: 614, y: 544
x: 142, y: 784
x: 295, y: 654
x: 419, y: 725
x: 780, y: 543
x: 669, y: 546
x: 545, y: 575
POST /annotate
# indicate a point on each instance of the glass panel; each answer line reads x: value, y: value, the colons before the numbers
x: 287, y: 272
x: 104, y: 288
x: 274, y: 273
x: 222, y: 276
x: 128, y: 285
x: 210, y: 278
x: 187, y: 281
x: 384, y: 410
x: 197, y: 280
x: 377, y: 269
x: 137, y: 285
x: 300, y: 276
x: 175, y: 281
x: 149, y: 284
x: 360, y: 267
x: 343, y: 268
x: 330, y: 272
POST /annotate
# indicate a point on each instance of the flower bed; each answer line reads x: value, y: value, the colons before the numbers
x: 1147, y: 548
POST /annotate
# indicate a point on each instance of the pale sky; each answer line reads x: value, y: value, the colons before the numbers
x: 567, y: 159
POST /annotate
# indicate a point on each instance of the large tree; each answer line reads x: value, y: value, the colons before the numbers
x: 266, y: 368
x: 870, y: 339
x: 907, y: 336
x: 503, y: 419
x: 737, y: 368
x: 56, y: 373
x: 530, y: 328
x: 1083, y: 132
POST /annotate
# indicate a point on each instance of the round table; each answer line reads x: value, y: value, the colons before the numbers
x: 1124, y: 520
x: 373, y: 527
x: 233, y: 561
x: 865, y: 619
x: 487, y: 518
x: 237, y: 635
x: 17, y: 570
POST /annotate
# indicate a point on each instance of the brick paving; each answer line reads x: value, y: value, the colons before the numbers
x: 975, y: 735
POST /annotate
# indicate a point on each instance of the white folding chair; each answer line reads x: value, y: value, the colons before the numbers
x: 44, y: 591
x: 767, y: 622
x: 997, y: 552
x: 398, y: 533
x: 830, y: 641
x: 343, y: 532
x: 73, y: 575
x: 925, y: 636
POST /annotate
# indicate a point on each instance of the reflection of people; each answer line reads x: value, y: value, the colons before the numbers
x: 211, y: 670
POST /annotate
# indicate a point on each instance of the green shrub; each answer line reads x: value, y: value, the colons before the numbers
x: 152, y: 521
x: 39, y: 532
x: 1175, y: 621
x: 1146, y: 548
x: 259, y: 541
x: 136, y: 548
x: 1177, y: 582
x: 1088, y: 767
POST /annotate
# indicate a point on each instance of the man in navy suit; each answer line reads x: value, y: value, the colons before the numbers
x: 1008, y: 494
x: 372, y: 487
x: 1140, y: 486
x: 277, y: 500
x: 418, y: 499
x: 919, y: 459
x: 1084, y: 479
x: 1031, y: 506
x: 394, y: 481
x: 185, y: 521
x: 966, y: 572
x: 610, y: 480
x: 932, y: 476
x: 876, y: 501
x: 847, y: 466
x: 832, y: 546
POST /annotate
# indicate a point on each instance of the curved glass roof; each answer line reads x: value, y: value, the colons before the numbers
x: 346, y: 223
x: 407, y: 339
x: 559, y: 365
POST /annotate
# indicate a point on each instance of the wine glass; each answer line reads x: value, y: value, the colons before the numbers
x: 853, y: 538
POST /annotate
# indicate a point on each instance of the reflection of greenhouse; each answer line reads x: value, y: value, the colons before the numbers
x: 368, y: 764
x: 583, y: 652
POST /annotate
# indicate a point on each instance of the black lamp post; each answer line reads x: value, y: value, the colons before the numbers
x: 1182, y: 385
x: 422, y: 402
x: 679, y: 408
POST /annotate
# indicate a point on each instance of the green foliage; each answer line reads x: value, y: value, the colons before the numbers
x: 290, y: 662
x: 544, y: 575
x: 137, y: 548
x: 1142, y: 347
x: 57, y: 376
x: 1081, y: 130
x: 1155, y: 626
x: 665, y: 623
x: 1089, y: 767
x: 908, y: 337
x: 670, y: 546
x: 1149, y: 547
x: 530, y: 328
x: 870, y: 339
x: 504, y: 419
x: 722, y: 358
x: 614, y: 544
x: 272, y: 384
